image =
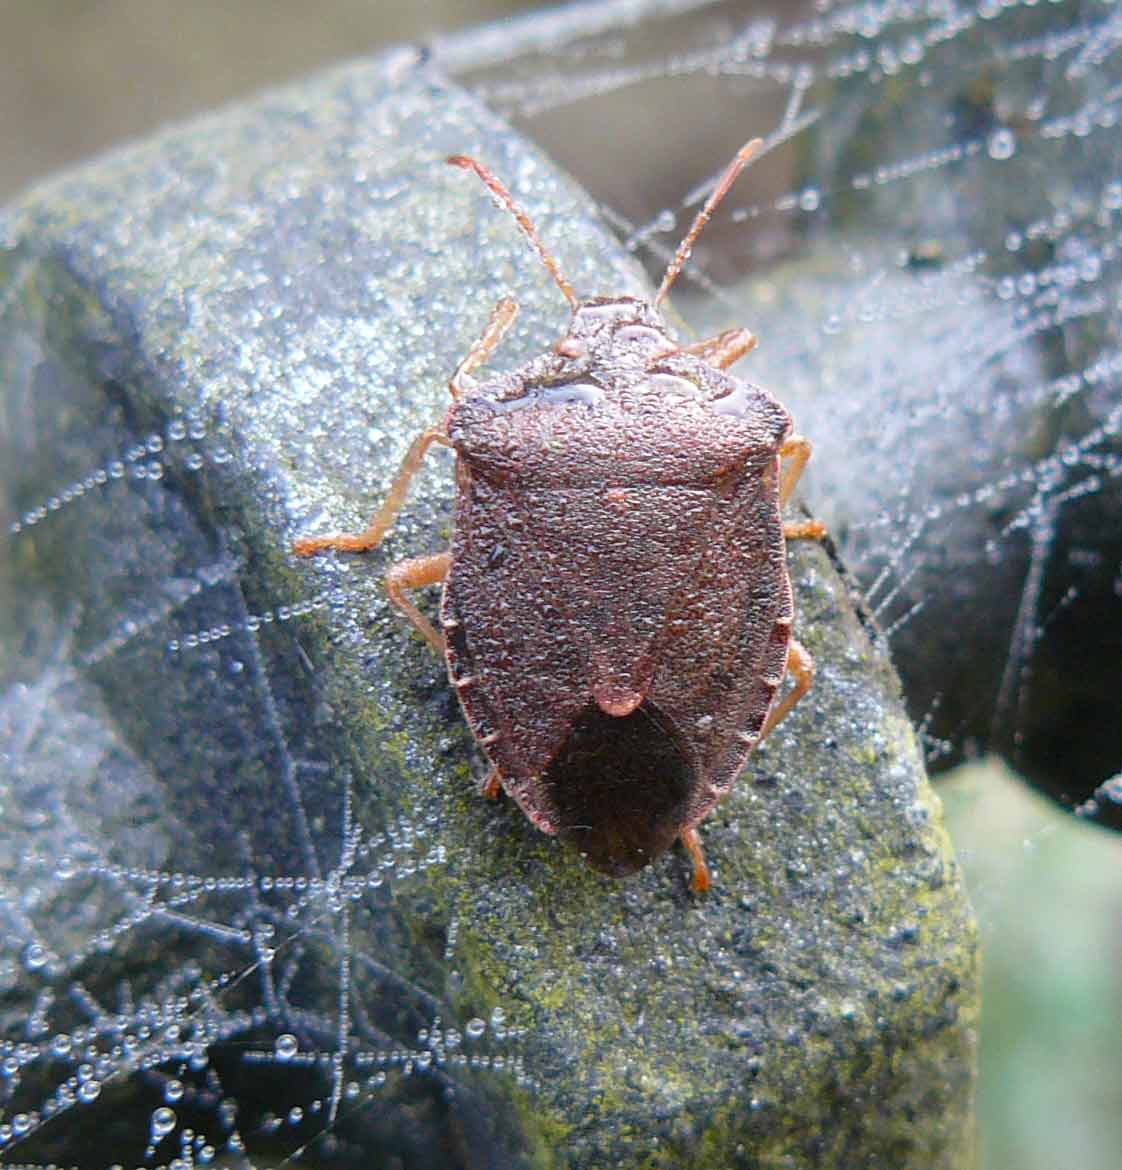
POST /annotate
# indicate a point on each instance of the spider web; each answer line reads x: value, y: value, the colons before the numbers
x: 1013, y: 299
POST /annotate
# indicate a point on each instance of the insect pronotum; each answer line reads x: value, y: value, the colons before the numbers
x: 616, y: 614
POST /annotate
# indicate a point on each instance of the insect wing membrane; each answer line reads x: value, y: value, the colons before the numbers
x: 722, y: 652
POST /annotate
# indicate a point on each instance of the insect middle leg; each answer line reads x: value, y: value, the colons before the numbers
x: 725, y: 349
x: 409, y: 574
x: 415, y: 573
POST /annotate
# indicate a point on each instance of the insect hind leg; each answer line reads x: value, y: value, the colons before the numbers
x: 492, y: 787
x: 701, y: 881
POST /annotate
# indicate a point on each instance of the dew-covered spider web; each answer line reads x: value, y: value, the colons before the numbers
x: 929, y: 250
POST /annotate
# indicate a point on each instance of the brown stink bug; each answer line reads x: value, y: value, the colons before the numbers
x: 617, y: 609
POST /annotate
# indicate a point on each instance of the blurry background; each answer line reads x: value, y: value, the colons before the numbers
x: 79, y: 77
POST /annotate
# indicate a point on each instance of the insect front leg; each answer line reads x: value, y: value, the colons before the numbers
x: 501, y: 319
x: 415, y: 573
x: 725, y: 349
x: 372, y: 535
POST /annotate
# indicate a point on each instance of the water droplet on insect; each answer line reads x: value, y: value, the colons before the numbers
x: 809, y: 199
x: 475, y: 1028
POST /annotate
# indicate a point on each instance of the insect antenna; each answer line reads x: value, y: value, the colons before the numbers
x: 520, y: 217
x: 743, y: 156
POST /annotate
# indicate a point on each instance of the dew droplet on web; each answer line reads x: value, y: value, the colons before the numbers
x: 285, y: 1047
x: 162, y: 1123
x: 1002, y: 144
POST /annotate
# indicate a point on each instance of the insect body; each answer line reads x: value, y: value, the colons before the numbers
x: 617, y: 610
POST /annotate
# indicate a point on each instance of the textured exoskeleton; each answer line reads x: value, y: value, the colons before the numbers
x: 617, y: 609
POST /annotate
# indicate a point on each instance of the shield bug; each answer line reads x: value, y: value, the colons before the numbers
x: 616, y: 610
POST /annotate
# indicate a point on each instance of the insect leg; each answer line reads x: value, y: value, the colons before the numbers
x: 372, y: 535
x: 691, y: 839
x: 502, y: 318
x: 805, y: 530
x: 797, y: 449
x: 492, y: 786
x: 725, y: 349
x: 413, y: 574
x: 801, y: 666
